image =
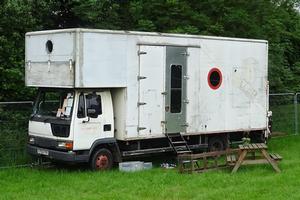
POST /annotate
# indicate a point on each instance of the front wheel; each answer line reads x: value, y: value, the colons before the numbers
x: 101, y: 160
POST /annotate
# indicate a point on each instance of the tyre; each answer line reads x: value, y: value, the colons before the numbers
x: 101, y: 160
x: 258, y: 138
x: 217, y: 143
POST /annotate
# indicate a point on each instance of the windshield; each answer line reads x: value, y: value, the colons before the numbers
x: 54, y: 104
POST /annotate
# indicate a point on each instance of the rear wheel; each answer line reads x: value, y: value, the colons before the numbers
x: 217, y: 143
x: 101, y: 160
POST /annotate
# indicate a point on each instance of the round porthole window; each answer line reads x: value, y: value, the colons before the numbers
x: 214, y: 78
x: 49, y: 46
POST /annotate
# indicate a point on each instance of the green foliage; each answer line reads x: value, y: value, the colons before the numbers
x: 274, y: 20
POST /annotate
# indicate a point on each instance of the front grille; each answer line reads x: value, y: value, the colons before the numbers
x: 45, y: 142
x: 60, y: 130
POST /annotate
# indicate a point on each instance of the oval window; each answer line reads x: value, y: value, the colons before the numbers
x: 49, y: 46
x: 214, y: 78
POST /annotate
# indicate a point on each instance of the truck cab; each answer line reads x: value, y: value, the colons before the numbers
x: 67, y: 125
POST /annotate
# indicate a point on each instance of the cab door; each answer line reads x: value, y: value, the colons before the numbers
x: 90, y: 121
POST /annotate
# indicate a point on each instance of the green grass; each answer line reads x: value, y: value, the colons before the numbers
x: 250, y: 182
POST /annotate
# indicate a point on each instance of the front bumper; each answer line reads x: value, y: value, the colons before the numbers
x: 57, y: 155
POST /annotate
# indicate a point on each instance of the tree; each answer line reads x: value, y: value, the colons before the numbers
x: 274, y: 20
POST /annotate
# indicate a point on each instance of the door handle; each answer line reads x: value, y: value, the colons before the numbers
x: 86, y: 121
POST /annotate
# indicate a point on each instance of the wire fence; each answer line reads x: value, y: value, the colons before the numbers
x: 14, y: 118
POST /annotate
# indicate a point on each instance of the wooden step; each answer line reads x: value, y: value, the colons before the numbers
x: 183, y: 152
x: 188, y: 161
x: 179, y: 142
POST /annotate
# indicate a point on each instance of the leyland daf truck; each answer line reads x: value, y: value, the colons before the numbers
x: 105, y: 96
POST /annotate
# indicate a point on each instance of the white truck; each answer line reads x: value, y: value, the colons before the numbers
x: 108, y: 95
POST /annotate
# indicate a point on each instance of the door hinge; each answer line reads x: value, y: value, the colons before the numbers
x: 29, y: 65
x: 163, y: 122
x: 141, y: 52
x: 70, y: 64
x: 186, y: 77
x: 141, y: 103
x: 184, y: 125
x: 185, y: 53
x: 141, y: 77
x: 141, y: 128
x: 186, y: 101
x: 164, y: 93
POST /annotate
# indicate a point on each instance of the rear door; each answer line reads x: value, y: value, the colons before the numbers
x: 175, y: 100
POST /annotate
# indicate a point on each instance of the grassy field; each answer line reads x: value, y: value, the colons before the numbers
x: 250, y: 182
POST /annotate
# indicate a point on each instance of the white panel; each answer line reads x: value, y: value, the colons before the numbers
x: 119, y: 107
x: 52, y: 74
x: 104, y: 61
x: 152, y: 67
x: 240, y: 102
x: 193, y: 90
x: 63, y: 47
x: 50, y: 69
x: 132, y: 89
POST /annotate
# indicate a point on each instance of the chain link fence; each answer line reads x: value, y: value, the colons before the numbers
x: 14, y: 118
x: 285, y: 113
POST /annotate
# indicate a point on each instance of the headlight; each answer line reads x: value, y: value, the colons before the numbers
x: 31, y: 140
x: 68, y: 145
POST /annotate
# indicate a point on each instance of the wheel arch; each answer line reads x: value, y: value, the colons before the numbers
x: 108, y: 143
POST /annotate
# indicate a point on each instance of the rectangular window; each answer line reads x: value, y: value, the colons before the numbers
x: 54, y: 104
x: 93, y: 105
x: 176, y: 88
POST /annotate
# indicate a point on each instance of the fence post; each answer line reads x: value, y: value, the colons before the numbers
x: 296, y: 112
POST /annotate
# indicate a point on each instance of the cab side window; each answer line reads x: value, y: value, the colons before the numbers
x: 93, y: 105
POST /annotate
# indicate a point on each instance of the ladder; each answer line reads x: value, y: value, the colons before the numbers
x: 178, y: 143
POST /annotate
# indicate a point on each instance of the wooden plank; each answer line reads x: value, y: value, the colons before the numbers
x: 255, y: 146
x: 275, y: 156
x: 204, y: 162
x: 270, y: 160
x: 216, y: 161
x: 279, y: 157
x: 264, y: 145
x: 240, y: 161
x: 253, y: 162
x: 229, y: 160
x: 211, y: 154
x: 241, y: 146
